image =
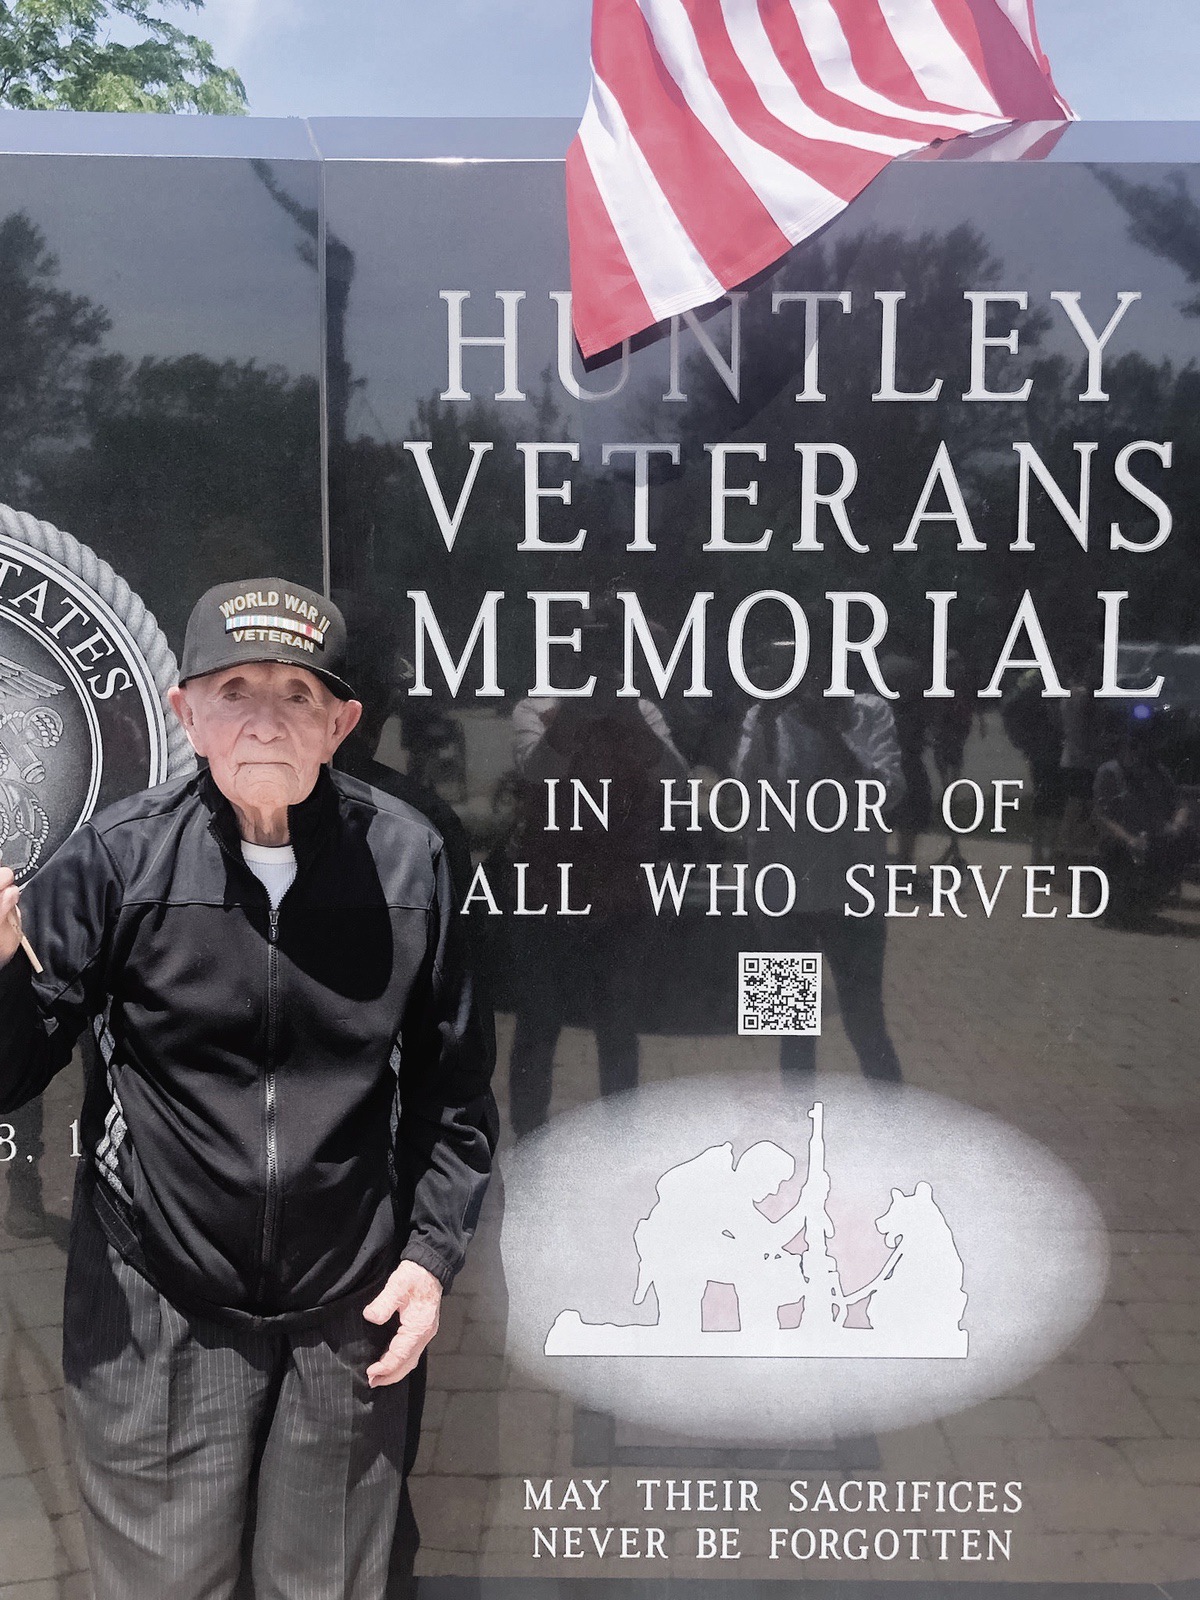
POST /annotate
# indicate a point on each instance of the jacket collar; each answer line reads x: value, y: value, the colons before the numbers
x: 308, y: 823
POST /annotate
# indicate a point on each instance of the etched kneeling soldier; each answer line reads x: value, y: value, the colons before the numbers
x: 287, y: 1134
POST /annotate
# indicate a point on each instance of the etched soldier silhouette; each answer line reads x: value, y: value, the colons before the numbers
x: 706, y: 1228
x: 27, y: 728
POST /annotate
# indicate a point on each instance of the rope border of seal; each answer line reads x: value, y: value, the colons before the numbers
x: 130, y: 610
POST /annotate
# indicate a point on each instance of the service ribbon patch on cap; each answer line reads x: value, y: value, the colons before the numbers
x: 288, y: 624
x: 265, y: 620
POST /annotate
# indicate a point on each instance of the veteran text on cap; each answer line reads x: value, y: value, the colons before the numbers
x: 266, y: 619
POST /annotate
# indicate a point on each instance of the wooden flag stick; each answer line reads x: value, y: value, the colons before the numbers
x: 28, y: 949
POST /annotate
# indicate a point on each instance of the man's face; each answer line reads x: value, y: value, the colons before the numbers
x: 265, y: 728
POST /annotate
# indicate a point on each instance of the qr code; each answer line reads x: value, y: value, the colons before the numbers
x: 779, y: 994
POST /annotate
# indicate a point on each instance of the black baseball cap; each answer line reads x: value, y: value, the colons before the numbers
x: 266, y: 619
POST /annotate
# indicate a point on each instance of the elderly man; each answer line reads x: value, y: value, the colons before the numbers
x: 287, y: 1136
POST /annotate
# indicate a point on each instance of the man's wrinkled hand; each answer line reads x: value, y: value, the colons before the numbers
x: 10, y: 917
x: 416, y: 1296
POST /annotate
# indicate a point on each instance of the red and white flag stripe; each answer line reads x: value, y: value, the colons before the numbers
x: 719, y: 133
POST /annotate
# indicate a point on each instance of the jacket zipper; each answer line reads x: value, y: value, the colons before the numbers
x: 271, y: 1202
x: 270, y: 1227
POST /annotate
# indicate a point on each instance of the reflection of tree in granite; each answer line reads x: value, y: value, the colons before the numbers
x: 48, y: 341
x: 894, y: 445
x: 340, y: 382
x: 218, y: 455
x: 1163, y: 218
x: 706, y: 1228
x: 391, y: 524
x: 1160, y: 401
x: 389, y: 542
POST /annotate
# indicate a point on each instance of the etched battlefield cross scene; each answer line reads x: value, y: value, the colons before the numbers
x: 707, y: 1227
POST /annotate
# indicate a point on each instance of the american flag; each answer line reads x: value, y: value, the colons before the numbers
x: 719, y: 133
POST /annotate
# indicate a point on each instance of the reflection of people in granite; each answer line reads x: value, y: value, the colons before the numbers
x: 25, y: 1216
x: 706, y: 1227
x: 910, y: 804
x: 596, y: 958
x: 1082, y: 742
x: 807, y: 737
x: 1145, y: 826
x: 1036, y: 732
x: 358, y: 756
x: 950, y: 724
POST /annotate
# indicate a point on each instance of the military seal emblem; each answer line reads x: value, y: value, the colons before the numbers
x: 84, y: 669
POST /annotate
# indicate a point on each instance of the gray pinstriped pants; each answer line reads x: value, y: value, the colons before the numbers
x: 178, y: 1425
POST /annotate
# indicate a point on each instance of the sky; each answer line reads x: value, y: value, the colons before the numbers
x: 1112, y: 59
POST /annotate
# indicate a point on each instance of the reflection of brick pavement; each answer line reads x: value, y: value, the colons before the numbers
x: 41, y: 1547
x: 1082, y: 1037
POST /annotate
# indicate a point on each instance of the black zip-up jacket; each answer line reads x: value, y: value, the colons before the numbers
x: 283, y: 1104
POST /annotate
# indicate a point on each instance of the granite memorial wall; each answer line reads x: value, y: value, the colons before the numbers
x: 811, y: 695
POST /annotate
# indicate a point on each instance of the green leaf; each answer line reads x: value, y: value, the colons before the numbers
x: 59, y: 54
